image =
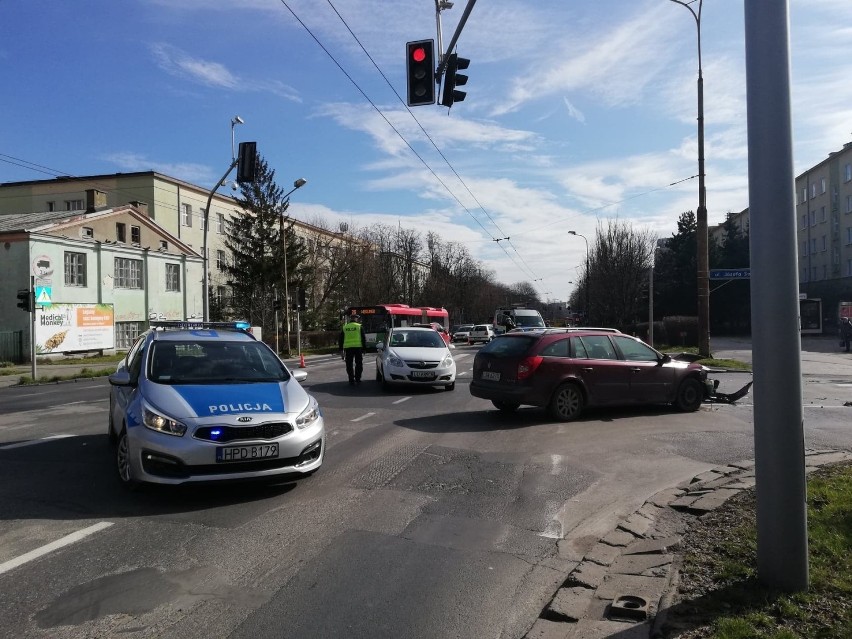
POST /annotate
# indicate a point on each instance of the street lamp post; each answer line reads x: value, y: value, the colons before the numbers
x: 588, y: 275
x: 234, y: 122
x: 205, y: 260
x: 701, y: 214
x: 281, y: 218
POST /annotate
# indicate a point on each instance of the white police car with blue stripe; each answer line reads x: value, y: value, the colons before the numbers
x: 197, y: 402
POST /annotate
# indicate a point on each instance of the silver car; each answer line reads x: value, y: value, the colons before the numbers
x: 414, y: 355
x: 197, y: 402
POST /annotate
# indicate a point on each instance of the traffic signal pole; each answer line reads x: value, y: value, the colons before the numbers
x: 442, y: 65
x: 32, y: 325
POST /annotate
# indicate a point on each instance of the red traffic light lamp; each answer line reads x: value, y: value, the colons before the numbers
x: 420, y: 70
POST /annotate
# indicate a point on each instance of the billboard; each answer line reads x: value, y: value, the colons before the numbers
x: 64, y: 328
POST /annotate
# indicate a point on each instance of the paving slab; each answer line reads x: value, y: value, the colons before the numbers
x: 636, y: 524
x: 619, y: 538
x: 544, y: 629
x: 650, y: 588
x: 639, y: 564
x: 665, y: 497
x: 588, y: 574
x: 592, y: 629
x: 713, y: 500
x: 603, y: 554
x: 653, y: 546
x: 571, y: 603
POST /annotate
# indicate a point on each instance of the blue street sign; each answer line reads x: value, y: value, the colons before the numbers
x: 730, y: 274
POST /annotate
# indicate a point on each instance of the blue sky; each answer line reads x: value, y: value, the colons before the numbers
x: 577, y: 112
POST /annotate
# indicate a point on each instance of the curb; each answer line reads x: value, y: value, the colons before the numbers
x: 639, y: 561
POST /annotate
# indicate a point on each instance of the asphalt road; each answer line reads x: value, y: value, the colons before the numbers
x: 433, y: 515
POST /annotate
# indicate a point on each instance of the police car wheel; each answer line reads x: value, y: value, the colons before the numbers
x: 122, y: 461
x: 450, y: 387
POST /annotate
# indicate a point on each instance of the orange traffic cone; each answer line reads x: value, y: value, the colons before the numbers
x: 301, y: 361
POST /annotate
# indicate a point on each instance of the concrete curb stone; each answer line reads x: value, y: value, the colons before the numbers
x: 642, y: 555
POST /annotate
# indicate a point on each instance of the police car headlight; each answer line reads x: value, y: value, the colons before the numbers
x: 309, y: 415
x: 448, y: 361
x: 161, y: 424
x: 395, y: 360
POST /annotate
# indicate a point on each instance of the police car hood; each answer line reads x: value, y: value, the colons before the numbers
x: 182, y: 401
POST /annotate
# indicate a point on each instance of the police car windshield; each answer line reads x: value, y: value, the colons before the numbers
x: 209, y: 362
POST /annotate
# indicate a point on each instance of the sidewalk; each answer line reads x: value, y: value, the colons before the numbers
x: 624, y: 585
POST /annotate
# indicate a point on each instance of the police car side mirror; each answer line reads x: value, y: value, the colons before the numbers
x: 120, y: 378
x: 380, y: 346
x: 299, y: 376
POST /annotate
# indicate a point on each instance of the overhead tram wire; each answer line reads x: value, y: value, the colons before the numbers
x: 414, y: 117
x: 56, y: 173
x: 376, y: 108
x: 607, y: 205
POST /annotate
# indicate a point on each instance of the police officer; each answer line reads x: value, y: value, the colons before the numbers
x: 353, y: 343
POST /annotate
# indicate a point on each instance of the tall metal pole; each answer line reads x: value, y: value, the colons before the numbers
x: 588, y: 276
x: 701, y: 215
x: 782, y: 536
x: 206, y: 276
x: 296, y: 185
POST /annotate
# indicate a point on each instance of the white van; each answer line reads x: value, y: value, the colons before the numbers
x: 505, y: 318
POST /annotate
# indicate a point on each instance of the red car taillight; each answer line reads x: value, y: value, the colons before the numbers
x: 528, y: 365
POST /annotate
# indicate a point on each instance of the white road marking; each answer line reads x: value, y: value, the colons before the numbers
x: 358, y: 419
x: 33, y: 442
x: 59, y: 543
x: 460, y: 373
x: 404, y: 399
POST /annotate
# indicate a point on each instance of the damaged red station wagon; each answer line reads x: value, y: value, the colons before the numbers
x: 566, y: 370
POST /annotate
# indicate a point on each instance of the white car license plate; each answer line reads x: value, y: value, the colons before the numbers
x: 427, y: 374
x: 246, y: 453
x: 491, y: 376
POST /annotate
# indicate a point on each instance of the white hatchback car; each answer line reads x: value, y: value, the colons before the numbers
x: 414, y: 355
x: 480, y: 333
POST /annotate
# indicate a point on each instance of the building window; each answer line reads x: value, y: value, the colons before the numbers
x: 120, y: 232
x: 51, y: 206
x: 220, y: 260
x: 813, y: 190
x: 203, y: 219
x: 804, y: 196
x: 804, y: 274
x: 804, y: 221
x: 126, y: 334
x: 804, y: 248
x: 822, y: 214
x: 128, y: 273
x: 164, y: 245
x: 73, y: 205
x: 220, y: 223
x: 812, y: 217
x: 221, y: 295
x: 849, y: 203
x: 847, y: 173
x: 823, y: 243
x: 87, y: 231
x: 849, y: 235
x: 822, y: 185
x: 172, y: 277
x: 136, y: 234
x: 848, y: 268
x: 187, y: 214
x: 813, y: 245
x: 75, y: 269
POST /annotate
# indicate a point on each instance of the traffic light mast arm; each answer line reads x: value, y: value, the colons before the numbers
x: 439, y: 72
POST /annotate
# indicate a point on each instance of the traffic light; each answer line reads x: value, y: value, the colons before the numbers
x: 25, y: 299
x: 276, y: 304
x: 453, y: 79
x: 302, y: 304
x: 420, y: 68
x: 247, y: 162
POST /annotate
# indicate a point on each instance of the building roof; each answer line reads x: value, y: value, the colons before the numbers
x: 37, y: 221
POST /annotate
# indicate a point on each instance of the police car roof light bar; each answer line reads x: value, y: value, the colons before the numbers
x: 193, y: 325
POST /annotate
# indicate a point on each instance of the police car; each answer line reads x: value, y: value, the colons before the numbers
x: 206, y: 401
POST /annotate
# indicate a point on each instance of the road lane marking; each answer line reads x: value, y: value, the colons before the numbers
x: 404, y: 399
x: 59, y: 543
x: 358, y: 419
x: 32, y: 442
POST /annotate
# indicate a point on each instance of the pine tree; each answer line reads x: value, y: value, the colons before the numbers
x: 255, y: 237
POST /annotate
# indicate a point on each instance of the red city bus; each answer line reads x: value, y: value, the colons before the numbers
x: 377, y: 319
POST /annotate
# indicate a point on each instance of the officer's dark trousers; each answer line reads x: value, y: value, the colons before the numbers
x: 354, y: 364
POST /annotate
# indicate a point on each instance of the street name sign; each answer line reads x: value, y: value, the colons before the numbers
x: 730, y: 274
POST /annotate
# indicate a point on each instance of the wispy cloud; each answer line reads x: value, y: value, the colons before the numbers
x: 574, y: 112
x: 213, y: 74
x: 188, y: 171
